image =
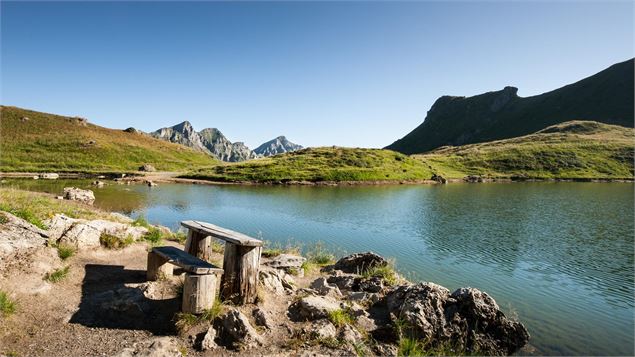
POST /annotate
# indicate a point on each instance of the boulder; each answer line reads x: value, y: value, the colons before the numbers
x: 343, y: 281
x: 157, y: 347
x: 322, y: 287
x: 208, y: 342
x: 289, y: 262
x: 321, y: 329
x: 236, y: 329
x: 85, y: 234
x: 77, y: 194
x: 468, y: 319
x: 439, y: 179
x: 313, y: 308
x: 147, y: 168
x: 18, y: 235
x: 373, y: 284
x: 276, y: 281
x: 359, y: 262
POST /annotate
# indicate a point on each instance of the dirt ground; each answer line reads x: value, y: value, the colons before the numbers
x: 70, y: 318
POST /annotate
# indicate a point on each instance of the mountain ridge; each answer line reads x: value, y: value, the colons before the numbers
x: 606, y: 97
x: 278, y: 145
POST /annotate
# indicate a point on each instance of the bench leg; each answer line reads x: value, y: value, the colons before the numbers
x: 158, y: 267
x: 199, y: 292
x: 198, y: 245
x: 240, y: 273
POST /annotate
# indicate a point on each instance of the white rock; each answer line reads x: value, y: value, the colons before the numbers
x: 208, y: 341
x: 77, y: 194
x: 324, y: 288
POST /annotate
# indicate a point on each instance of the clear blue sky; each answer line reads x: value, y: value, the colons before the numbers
x: 349, y: 74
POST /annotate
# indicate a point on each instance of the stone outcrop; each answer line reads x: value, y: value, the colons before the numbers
x: 276, y: 281
x: 85, y: 234
x: 322, y: 287
x: 77, y: 194
x: 235, y: 328
x: 467, y: 319
x: 17, y: 236
x: 359, y: 262
x: 313, y: 308
x: 288, y: 262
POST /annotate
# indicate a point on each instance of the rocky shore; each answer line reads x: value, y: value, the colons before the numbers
x: 357, y: 305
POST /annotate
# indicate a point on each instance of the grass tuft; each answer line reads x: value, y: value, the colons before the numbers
x: 113, y: 242
x: 319, y: 255
x: 154, y: 236
x: 7, y: 306
x: 24, y: 213
x: 65, y: 251
x: 385, y: 272
x: 341, y: 317
x: 57, y: 275
x: 410, y: 347
x: 213, y: 312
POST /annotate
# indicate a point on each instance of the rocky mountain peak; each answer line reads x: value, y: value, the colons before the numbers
x: 276, y: 146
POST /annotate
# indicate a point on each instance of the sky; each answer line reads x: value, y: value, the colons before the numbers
x: 356, y: 74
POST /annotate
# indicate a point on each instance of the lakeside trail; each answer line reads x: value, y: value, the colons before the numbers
x: 77, y: 286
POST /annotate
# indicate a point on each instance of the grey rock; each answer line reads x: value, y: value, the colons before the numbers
x: 468, y: 318
x: 208, y: 342
x: 18, y: 235
x: 313, y: 307
x: 322, y: 286
x: 77, y: 194
x: 372, y: 285
x: 276, y: 281
x: 98, y: 183
x: 343, y: 281
x: 286, y: 261
x: 236, y: 327
x: 359, y: 262
x: 350, y: 335
x: 50, y: 176
x: 147, y: 168
x: 321, y: 329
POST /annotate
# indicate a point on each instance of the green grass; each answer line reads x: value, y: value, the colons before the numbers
x: 410, y: 347
x: 274, y: 249
x: 3, y: 218
x: 141, y: 222
x: 341, y: 317
x: 48, y: 142
x: 386, y: 272
x: 320, y: 164
x: 154, y: 236
x: 571, y: 150
x: 37, y: 207
x: 113, y: 242
x: 211, y: 313
x: 7, y: 306
x: 57, y: 275
x: 65, y: 251
x: 319, y: 255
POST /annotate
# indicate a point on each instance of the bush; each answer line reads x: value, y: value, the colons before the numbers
x: 65, y: 251
x: 7, y: 306
x: 113, y: 242
x: 153, y: 236
x: 57, y: 275
x: 385, y: 272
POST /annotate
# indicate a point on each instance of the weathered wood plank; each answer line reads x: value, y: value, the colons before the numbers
x: 158, y: 267
x: 222, y: 233
x: 239, y: 282
x: 199, y: 292
x: 186, y: 261
x: 198, y: 244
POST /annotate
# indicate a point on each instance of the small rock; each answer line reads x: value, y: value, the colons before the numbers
x: 237, y: 328
x: 59, y: 197
x: 150, y: 183
x: 350, y: 334
x: 23, y: 119
x: 373, y: 284
x: 208, y: 342
x: 343, y: 281
x: 50, y: 176
x: 439, y: 179
x: 324, y: 288
x: 262, y: 318
x: 77, y: 194
x: 98, y: 183
x: 313, y: 308
x: 359, y: 262
x: 322, y: 329
x: 36, y: 177
x: 289, y: 262
x: 147, y: 168
x: 276, y: 281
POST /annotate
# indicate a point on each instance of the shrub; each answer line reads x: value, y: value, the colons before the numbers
x: 153, y: 236
x: 113, y: 242
x: 7, y: 306
x: 341, y: 317
x: 57, y: 275
x: 386, y: 272
x: 65, y: 251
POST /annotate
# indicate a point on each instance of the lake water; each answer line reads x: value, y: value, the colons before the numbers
x: 557, y: 255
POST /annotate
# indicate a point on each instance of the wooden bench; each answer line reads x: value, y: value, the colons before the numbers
x: 199, y: 286
x: 241, y: 260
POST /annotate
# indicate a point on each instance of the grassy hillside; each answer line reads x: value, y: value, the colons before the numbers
x: 34, y: 141
x: 321, y: 164
x: 605, y: 97
x: 576, y: 149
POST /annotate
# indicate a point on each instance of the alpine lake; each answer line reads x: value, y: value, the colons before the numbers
x: 558, y: 256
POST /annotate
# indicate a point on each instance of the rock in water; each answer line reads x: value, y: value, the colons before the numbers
x: 77, y: 194
x: 358, y: 263
x: 467, y: 319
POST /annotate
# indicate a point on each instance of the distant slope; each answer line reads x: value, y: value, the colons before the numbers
x: 571, y: 150
x: 279, y: 145
x: 210, y: 141
x: 34, y: 141
x: 321, y: 164
x: 605, y: 97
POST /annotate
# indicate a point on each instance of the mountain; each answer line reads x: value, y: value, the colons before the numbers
x: 570, y: 150
x: 276, y: 146
x: 210, y: 141
x: 32, y: 141
x: 606, y: 97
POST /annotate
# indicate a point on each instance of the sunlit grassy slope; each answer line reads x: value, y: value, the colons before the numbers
x: 571, y: 150
x: 34, y: 141
x: 321, y: 164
